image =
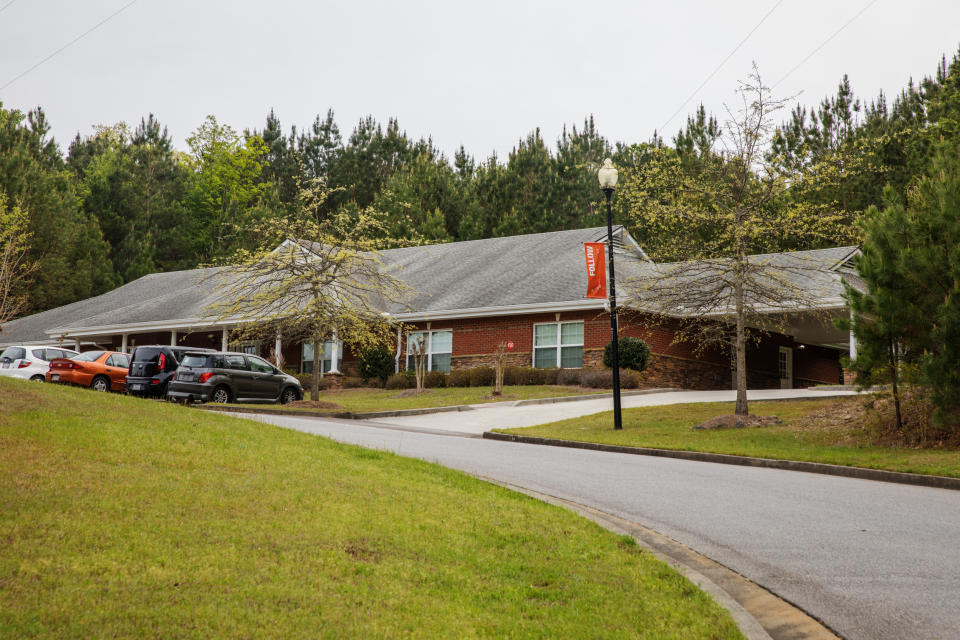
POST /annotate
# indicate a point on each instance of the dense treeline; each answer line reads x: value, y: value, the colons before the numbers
x: 124, y: 202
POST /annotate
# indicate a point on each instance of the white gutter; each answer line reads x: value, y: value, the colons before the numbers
x: 486, y: 312
x: 141, y: 327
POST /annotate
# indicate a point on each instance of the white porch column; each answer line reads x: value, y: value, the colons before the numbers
x: 224, y: 343
x: 853, y: 340
x: 76, y: 344
x: 334, y: 353
x: 277, y: 349
x: 396, y: 367
x: 173, y: 338
x: 123, y: 342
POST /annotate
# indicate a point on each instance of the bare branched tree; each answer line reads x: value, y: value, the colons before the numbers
x: 16, y: 269
x: 726, y: 287
x: 325, y: 278
x: 499, y: 362
x: 418, y: 349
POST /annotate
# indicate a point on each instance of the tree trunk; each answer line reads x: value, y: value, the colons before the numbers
x: 315, y: 382
x: 894, y: 374
x: 741, y: 347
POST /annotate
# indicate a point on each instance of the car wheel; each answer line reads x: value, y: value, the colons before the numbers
x: 289, y: 395
x: 220, y: 394
x: 100, y: 383
x: 38, y: 379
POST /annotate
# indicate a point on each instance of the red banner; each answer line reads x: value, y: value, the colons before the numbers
x: 596, y: 270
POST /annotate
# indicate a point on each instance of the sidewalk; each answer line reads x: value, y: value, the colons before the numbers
x: 484, y: 417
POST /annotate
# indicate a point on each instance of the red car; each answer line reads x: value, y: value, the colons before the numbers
x: 100, y: 370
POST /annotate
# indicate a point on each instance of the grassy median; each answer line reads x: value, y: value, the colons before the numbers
x: 132, y: 518
x: 834, y: 431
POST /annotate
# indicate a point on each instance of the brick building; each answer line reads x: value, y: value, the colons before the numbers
x: 464, y: 299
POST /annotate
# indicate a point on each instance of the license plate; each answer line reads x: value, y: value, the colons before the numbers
x: 136, y: 387
x: 54, y: 377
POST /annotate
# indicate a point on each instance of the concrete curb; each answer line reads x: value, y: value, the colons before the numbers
x: 590, y: 396
x: 937, y: 482
x: 348, y: 415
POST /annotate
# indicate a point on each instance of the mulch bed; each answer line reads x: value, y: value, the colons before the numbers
x: 733, y: 421
x: 310, y: 404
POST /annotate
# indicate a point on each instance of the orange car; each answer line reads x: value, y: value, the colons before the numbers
x: 100, y: 370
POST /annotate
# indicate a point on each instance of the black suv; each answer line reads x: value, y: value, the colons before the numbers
x: 231, y: 377
x: 152, y: 367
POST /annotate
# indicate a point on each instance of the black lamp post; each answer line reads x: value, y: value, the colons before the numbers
x: 608, y: 181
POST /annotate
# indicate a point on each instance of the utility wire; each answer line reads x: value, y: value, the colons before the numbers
x: 714, y: 72
x: 78, y: 38
x: 4, y: 7
x: 825, y: 42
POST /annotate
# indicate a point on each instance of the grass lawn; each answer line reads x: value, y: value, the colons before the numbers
x: 363, y: 400
x: 122, y: 517
x: 812, y: 430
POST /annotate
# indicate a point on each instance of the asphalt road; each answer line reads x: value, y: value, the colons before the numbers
x: 873, y: 560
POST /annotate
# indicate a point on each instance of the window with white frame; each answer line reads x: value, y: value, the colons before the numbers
x: 558, y: 344
x: 437, y: 345
x: 326, y: 362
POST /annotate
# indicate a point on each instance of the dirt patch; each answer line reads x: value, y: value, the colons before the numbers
x: 504, y: 396
x: 733, y: 421
x: 310, y: 404
x: 411, y: 393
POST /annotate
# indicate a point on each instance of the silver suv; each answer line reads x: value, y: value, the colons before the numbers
x: 231, y: 377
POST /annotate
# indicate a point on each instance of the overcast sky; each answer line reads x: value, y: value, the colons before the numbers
x: 481, y: 74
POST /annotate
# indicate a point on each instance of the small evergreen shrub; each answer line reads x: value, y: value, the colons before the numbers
x: 550, y: 375
x: 458, y: 378
x: 377, y: 363
x: 482, y: 377
x: 634, y: 353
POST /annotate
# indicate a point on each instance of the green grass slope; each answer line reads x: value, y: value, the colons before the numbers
x: 129, y: 518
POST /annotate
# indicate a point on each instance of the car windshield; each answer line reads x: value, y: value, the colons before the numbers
x: 89, y: 356
x: 13, y: 353
x: 193, y: 361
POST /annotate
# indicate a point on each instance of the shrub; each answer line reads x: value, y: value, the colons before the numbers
x: 597, y: 379
x: 434, y: 380
x: 481, y: 376
x: 634, y: 353
x: 629, y: 379
x: 550, y: 375
x: 400, y: 381
x: 352, y: 382
x: 569, y: 376
x: 377, y: 363
x: 459, y: 378
x: 524, y: 375
x: 604, y: 379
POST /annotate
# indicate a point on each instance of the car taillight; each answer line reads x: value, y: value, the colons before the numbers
x: 205, y: 376
x: 23, y: 364
x: 163, y: 362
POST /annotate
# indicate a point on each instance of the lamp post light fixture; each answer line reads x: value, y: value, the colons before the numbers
x: 608, y: 182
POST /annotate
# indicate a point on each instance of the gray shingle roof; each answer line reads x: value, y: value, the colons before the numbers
x: 533, y: 269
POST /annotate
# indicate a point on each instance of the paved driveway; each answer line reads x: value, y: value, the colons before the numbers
x: 873, y: 560
x: 484, y: 417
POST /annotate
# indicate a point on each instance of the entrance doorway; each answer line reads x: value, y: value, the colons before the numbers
x: 786, y: 367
